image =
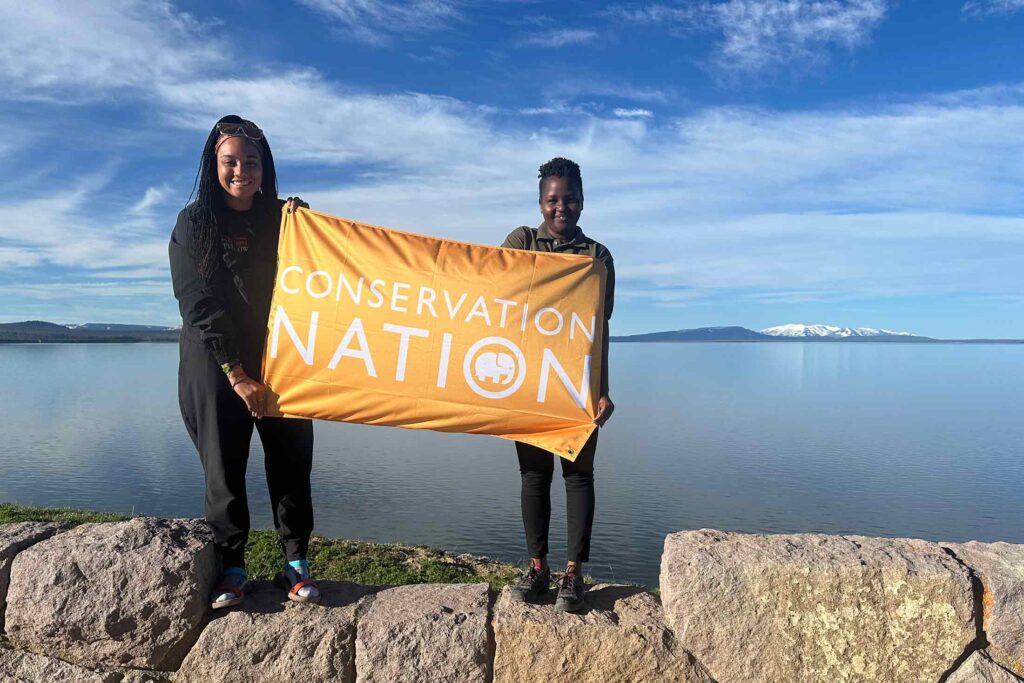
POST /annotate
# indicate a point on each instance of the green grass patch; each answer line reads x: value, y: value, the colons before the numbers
x: 10, y: 513
x: 377, y: 563
x: 334, y: 559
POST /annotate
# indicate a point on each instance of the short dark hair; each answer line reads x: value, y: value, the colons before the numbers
x: 562, y: 168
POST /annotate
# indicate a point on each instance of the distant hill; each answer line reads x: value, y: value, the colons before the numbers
x: 42, y: 332
x: 118, y: 327
x: 697, y: 334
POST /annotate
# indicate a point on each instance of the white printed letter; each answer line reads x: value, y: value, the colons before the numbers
x: 547, y: 363
x: 577, y: 321
x: 280, y: 280
x: 403, y: 345
x: 363, y: 352
x: 281, y: 318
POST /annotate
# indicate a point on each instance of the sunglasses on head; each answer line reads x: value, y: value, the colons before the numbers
x: 245, y: 129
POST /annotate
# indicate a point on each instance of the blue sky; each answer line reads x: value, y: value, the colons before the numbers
x: 850, y: 162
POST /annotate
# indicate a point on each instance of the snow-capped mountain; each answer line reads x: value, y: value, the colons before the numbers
x: 801, y: 330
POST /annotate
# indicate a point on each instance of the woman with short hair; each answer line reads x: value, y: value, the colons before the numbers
x: 561, y: 202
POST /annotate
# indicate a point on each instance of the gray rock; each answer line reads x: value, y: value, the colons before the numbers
x: 619, y: 637
x: 1000, y: 566
x: 979, y: 668
x: 269, y: 638
x: 120, y: 594
x: 427, y: 632
x: 816, y: 608
x: 26, y: 667
x: 13, y: 539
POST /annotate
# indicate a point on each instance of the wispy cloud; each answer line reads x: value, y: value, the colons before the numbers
x: 821, y: 202
x: 633, y: 113
x: 379, y: 22
x: 62, y: 229
x: 74, y: 52
x: 989, y: 8
x: 763, y: 35
x: 297, y: 108
x: 435, y: 53
x: 559, y: 37
x: 154, y: 197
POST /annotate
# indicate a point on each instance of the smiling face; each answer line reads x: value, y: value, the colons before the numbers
x: 561, y: 203
x: 239, y: 170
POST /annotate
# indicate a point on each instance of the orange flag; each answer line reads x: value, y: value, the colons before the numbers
x: 382, y: 327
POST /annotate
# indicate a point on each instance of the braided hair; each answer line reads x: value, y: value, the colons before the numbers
x: 209, y: 198
x: 562, y: 168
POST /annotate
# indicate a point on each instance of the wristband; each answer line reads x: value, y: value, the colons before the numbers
x: 239, y: 381
x: 228, y: 367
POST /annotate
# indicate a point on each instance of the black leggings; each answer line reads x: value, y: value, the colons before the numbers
x: 221, y: 429
x: 537, y: 468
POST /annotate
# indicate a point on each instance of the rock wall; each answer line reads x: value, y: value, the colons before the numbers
x: 126, y: 601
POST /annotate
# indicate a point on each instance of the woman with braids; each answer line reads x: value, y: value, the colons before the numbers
x: 561, y: 202
x: 223, y: 254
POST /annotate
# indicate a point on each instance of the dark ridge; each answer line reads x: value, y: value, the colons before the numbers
x: 698, y: 334
x: 41, y: 332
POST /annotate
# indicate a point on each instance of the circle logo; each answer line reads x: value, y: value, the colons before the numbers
x: 502, y: 370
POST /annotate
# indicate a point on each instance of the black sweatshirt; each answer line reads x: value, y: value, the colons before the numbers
x: 228, y: 312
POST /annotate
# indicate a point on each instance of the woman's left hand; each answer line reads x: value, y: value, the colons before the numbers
x: 605, y: 408
x: 293, y: 203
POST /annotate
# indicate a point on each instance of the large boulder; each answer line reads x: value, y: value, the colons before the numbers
x: 120, y: 594
x: 427, y: 632
x: 13, y: 539
x: 270, y: 638
x: 816, y: 608
x: 1000, y: 567
x: 26, y: 667
x: 619, y: 637
x: 979, y: 668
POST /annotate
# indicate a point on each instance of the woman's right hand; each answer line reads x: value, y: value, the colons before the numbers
x: 249, y: 390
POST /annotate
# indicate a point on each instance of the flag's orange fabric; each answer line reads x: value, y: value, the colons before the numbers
x: 383, y: 327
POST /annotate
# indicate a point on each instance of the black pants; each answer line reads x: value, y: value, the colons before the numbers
x: 221, y: 429
x: 537, y: 468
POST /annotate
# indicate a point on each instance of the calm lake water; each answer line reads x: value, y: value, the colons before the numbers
x: 876, y: 439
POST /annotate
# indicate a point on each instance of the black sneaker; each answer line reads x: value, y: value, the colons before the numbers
x: 533, y: 584
x: 570, y: 593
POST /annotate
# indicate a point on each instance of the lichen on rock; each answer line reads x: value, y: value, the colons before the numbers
x: 810, y: 607
x: 269, y: 638
x: 1000, y: 567
x: 119, y: 594
x: 619, y: 637
x: 426, y: 632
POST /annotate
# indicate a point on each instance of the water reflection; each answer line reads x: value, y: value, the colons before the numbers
x: 883, y: 439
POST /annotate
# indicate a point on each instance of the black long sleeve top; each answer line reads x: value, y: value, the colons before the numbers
x: 228, y: 311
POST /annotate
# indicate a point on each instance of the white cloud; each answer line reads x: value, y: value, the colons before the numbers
x: 633, y: 113
x: 882, y: 199
x: 310, y: 119
x: 76, y: 51
x: 560, y: 37
x: 64, y: 229
x: 896, y: 200
x: 762, y: 35
x: 987, y: 8
x: 84, y: 290
x: 153, y: 198
x: 379, y: 22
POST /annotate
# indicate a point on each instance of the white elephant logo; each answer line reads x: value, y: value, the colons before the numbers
x: 494, y: 366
